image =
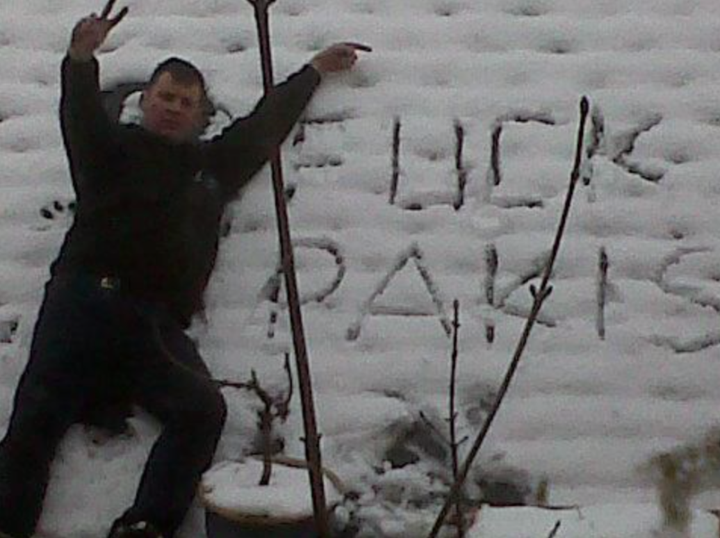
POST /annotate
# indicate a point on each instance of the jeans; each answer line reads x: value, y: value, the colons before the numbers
x: 94, y: 345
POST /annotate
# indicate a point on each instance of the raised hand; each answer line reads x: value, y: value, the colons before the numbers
x: 338, y: 57
x: 90, y: 32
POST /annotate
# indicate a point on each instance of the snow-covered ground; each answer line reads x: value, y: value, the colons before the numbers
x: 601, y: 521
x: 585, y: 414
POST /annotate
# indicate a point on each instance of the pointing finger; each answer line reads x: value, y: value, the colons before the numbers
x: 108, y: 8
x: 358, y: 46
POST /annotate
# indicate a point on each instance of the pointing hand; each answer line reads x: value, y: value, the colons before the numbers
x: 338, y: 57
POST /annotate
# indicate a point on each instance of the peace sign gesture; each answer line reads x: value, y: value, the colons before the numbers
x: 90, y: 32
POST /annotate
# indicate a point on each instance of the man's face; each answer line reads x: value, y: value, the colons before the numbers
x: 172, y: 110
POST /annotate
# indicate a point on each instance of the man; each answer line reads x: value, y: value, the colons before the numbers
x: 132, y: 272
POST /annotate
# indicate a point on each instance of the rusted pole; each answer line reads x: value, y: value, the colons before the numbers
x: 312, y: 438
x: 539, y: 296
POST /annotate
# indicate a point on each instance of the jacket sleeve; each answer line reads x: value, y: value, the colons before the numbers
x: 243, y: 148
x: 88, y: 133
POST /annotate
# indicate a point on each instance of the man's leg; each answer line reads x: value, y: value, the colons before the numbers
x: 39, y: 421
x: 173, y: 385
x: 52, y: 390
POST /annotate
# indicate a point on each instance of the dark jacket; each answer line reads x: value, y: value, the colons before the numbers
x: 148, y: 211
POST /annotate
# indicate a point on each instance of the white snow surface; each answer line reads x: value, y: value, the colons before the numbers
x: 601, y: 521
x: 232, y: 487
x: 584, y: 413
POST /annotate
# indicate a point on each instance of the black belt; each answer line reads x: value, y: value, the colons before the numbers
x: 110, y: 283
x: 105, y: 282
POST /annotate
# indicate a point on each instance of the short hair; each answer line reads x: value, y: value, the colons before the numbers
x: 187, y: 74
x: 181, y: 70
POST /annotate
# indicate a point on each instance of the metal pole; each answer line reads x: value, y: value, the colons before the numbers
x: 312, y: 438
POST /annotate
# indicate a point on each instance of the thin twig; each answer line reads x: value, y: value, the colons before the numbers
x: 603, y: 265
x: 555, y: 529
x: 460, y: 165
x: 283, y: 407
x: 265, y: 422
x: 441, y: 435
x: 273, y: 408
x: 495, y: 163
x: 395, y: 160
x: 261, y: 393
x: 491, y: 268
x: 539, y: 296
x: 453, y: 416
x: 222, y: 383
x: 426, y: 420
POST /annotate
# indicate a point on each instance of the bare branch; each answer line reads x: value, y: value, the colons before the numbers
x: 395, y: 160
x: 491, y: 267
x: 495, y: 163
x: 603, y: 265
x: 222, y: 383
x: 435, y: 429
x: 555, y: 529
x: 283, y: 407
x: 453, y: 416
x: 540, y: 295
x: 460, y: 169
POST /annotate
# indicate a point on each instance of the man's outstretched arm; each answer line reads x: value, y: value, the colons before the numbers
x: 245, y: 147
x: 85, y: 126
